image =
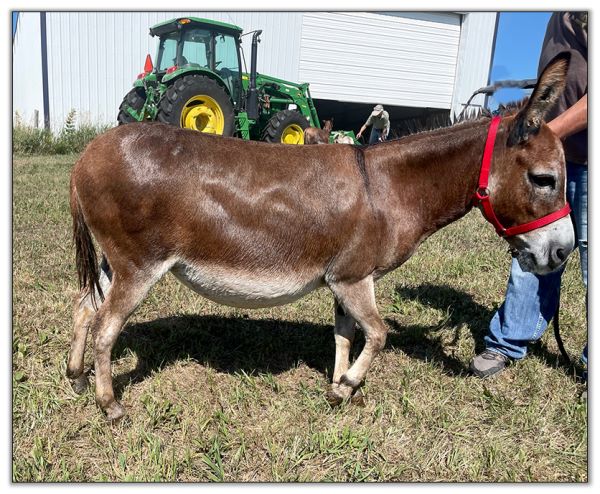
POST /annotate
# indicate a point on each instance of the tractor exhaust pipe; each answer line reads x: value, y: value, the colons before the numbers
x: 252, y: 99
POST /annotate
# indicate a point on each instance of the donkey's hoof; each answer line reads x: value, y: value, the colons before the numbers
x: 358, y: 398
x: 333, y: 399
x: 80, y: 384
x: 338, y: 393
x: 115, y: 411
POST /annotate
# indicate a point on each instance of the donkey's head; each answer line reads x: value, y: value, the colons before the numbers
x: 528, y: 177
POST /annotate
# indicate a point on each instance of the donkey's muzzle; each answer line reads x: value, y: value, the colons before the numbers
x: 546, y: 249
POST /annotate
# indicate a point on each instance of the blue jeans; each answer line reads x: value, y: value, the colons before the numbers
x: 531, y: 300
x: 375, y: 135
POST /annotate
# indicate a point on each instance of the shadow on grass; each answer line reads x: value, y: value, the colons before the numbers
x: 573, y: 368
x: 418, y: 341
x: 234, y: 344
x: 227, y: 344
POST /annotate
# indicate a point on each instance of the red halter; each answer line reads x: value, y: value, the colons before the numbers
x: 482, y: 194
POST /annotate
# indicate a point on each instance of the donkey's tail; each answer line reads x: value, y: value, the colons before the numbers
x: 85, y: 253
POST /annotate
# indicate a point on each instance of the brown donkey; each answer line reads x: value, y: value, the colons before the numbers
x: 313, y: 135
x: 250, y: 224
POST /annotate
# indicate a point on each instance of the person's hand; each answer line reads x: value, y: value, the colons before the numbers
x: 359, y: 135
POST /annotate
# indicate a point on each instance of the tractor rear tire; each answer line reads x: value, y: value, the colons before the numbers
x: 135, y: 99
x: 286, y: 127
x: 199, y: 103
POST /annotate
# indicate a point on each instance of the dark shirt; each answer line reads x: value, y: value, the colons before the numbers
x: 567, y: 31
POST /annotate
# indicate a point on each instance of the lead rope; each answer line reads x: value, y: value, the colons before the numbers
x: 559, y: 340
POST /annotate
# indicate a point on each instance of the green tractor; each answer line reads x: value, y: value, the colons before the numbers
x: 198, y: 84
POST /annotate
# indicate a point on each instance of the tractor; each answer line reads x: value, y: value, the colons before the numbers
x: 198, y: 83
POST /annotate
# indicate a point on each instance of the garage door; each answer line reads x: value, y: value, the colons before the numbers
x: 405, y: 59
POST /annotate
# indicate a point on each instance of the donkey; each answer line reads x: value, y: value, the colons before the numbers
x: 313, y: 135
x: 250, y: 224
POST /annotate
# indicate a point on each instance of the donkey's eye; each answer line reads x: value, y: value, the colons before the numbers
x: 543, y: 180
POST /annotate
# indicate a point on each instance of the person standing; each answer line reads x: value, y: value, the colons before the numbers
x: 531, y: 300
x: 380, y: 121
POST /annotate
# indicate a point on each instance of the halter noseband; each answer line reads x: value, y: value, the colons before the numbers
x: 481, y: 196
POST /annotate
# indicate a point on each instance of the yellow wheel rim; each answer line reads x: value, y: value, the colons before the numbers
x: 204, y: 114
x: 293, y: 134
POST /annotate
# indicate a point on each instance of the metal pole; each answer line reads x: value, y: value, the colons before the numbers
x: 45, y: 70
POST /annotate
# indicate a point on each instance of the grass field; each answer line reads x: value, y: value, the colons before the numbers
x: 221, y: 394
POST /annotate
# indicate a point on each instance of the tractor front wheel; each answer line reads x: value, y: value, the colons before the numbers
x: 199, y: 103
x: 134, y: 99
x: 286, y: 127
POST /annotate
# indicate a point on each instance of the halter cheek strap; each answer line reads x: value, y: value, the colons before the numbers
x: 481, y: 196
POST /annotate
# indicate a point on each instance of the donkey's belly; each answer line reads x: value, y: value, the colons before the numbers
x: 245, y: 289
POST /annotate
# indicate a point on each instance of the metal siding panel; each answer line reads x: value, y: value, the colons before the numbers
x: 27, y: 69
x: 474, y: 59
x: 104, y: 71
x: 114, y: 61
x: 449, y: 18
x: 56, y: 60
x: 86, y: 66
x: 73, y: 69
x: 399, y: 59
x: 59, y: 82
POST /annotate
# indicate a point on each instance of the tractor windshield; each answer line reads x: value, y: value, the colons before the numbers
x: 216, y: 52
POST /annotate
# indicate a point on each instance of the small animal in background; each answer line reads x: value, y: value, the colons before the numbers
x: 342, y: 139
x: 313, y: 135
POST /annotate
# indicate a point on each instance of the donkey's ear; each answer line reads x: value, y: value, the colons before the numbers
x: 548, y: 89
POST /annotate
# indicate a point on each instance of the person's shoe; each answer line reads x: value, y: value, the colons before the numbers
x: 488, y: 363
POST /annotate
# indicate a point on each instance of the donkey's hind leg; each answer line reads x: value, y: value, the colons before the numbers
x: 358, y: 300
x: 127, y: 291
x: 83, y: 312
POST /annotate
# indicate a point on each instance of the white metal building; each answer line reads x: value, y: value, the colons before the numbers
x: 407, y: 61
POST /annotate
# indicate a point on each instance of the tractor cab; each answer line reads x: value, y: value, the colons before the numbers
x: 192, y: 44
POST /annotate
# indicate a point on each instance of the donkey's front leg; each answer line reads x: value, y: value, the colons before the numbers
x: 358, y: 300
x: 344, y: 337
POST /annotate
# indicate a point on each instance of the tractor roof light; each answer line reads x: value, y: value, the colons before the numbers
x: 184, y: 21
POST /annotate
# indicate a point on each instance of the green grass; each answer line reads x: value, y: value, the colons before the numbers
x: 72, y: 138
x: 221, y: 394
